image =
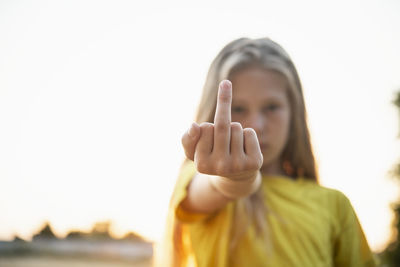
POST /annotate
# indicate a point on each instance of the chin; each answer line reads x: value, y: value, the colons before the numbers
x: 271, y: 163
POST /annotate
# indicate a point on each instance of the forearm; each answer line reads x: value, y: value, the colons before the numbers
x: 202, y: 196
x: 207, y: 194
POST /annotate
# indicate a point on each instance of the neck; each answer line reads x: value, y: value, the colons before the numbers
x: 274, y: 168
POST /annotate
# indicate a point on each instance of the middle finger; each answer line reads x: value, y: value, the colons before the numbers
x: 222, y: 119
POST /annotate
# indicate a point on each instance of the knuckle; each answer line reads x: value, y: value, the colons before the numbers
x: 222, y: 167
x: 189, y: 150
x: 254, y: 163
x: 237, y: 165
x: 202, y: 166
x: 249, y: 131
x: 260, y: 161
x: 236, y: 126
x: 184, y: 140
x: 224, y: 98
x: 206, y: 126
x: 251, y: 165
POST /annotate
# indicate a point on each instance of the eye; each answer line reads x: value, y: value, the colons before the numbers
x: 270, y: 108
x: 238, y: 109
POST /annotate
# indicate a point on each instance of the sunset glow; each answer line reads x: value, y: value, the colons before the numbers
x: 95, y: 95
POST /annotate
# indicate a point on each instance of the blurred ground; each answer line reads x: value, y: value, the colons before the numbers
x: 49, y: 261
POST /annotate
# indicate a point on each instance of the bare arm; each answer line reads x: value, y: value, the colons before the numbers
x: 203, y: 197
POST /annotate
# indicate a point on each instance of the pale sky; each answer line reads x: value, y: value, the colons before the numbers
x: 95, y: 95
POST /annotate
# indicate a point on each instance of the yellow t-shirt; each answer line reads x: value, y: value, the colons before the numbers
x: 308, y: 225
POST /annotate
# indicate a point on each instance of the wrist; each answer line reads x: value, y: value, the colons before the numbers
x: 236, y: 188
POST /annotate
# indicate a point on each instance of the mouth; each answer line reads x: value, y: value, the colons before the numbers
x: 263, y: 146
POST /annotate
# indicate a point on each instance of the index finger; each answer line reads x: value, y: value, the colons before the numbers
x: 222, y: 119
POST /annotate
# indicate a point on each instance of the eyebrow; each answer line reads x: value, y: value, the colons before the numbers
x: 265, y: 101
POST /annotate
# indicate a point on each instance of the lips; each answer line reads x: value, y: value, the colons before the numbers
x: 263, y: 146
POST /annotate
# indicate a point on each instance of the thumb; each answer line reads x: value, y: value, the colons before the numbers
x: 190, y: 139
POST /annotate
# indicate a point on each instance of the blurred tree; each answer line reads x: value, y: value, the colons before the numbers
x: 18, y: 239
x: 391, y: 255
x: 76, y: 235
x: 131, y: 236
x: 45, y: 233
x: 101, y: 230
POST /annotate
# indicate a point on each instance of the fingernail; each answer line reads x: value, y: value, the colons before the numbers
x: 225, y: 84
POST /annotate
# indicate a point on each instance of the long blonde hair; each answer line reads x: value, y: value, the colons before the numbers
x: 265, y: 53
x: 297, y: 157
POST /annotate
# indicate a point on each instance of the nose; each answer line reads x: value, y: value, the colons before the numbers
x: 256, y: 121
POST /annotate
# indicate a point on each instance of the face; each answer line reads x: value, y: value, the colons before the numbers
x: 260, y: 102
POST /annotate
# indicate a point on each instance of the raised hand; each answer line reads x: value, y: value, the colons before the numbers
x: 223, y: 148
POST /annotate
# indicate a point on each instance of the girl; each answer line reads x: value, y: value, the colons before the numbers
x: 248, y: 192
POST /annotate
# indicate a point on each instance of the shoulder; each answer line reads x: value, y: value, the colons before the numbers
x: 335, y: 196
x: 339, y: 206
x: 328, y: 199
x: 320, y: 191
